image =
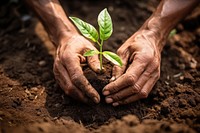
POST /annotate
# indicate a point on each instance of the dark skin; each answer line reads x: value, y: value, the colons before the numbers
x: 141, y: 53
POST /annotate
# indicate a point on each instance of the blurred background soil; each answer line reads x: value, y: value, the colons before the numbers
x: 31, y: 101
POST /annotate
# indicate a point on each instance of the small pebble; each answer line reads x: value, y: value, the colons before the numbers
x: 157, y: 107
x: 181, y: 77
x: 161, y: 94
x: 35, y: 89
x: 182, y: 102
x: 31, y: 97
x: 42, y: 63
x: 165, y: 108
x: 57, y: 105
x: 2, y: 113
x: 188, y: 113
x: 192, y: 102
x: 46, y: 76
x: 131, y: 120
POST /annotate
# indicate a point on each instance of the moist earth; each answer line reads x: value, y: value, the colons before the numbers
x: 31, y: 100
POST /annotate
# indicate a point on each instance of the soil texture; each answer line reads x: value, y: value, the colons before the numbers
x: 31, y: 101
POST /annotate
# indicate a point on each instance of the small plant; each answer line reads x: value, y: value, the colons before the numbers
x: 105, y: 31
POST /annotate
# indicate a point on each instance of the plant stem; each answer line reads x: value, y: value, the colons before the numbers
x: 100, y: 56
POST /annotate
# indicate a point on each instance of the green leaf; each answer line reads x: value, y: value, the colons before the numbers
x: 114, y: 58
x: 91, y: 53
x: 105, y: 24
x: 86, y: 29
x: 172, y: 33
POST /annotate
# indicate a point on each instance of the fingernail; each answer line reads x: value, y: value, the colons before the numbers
x: 105, y: 93
x: 96, y: 100
x: 115, y: 104
x: 109, y: 100
x: 98, y: 69
x: 112, y: 79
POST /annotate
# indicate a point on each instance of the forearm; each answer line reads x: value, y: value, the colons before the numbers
x: 53, y: 18
x: 166, y: 17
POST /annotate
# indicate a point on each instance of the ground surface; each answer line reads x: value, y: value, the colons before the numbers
x: 31, y: 101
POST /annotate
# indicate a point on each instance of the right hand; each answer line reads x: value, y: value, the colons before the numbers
x: 140, y: 55
x: 68, y: 71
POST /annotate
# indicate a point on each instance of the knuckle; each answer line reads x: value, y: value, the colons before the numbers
x: 116, y: 97
x: 90, y: 90
x: 143, y: 58
x: 136, y: 88
x: 157, y: 61
x: 130, y: 79
x: 155, y: 64
x: 64, y: 56
x: 75, y: 78
x: 149, y: 57
x: 143, y: 94
x: 157, y: 74
x: 114, y: 88
x: 148, y: 73
x: 153, y: 68
x: 120, y: 51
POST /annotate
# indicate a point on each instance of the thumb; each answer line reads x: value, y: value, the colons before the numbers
x: 117, y: 71
x: 94, y: 63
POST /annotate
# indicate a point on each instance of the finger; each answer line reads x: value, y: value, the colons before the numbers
x: 94, y: 63
x: 63, y: 79
x: 124, y: 93
x: 139, y: 63
x: 133, y: 89
x: 142, y: 94
x: 117, y: 70
x: 77, y: 77
x: 129, y: 78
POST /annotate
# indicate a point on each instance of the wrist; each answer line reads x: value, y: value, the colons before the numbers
x: 155, y: 32
x: 60, y: 31
x: 151, y: 34
x: 54, y: 19
x: 65, y: 37
x: 165, y: 18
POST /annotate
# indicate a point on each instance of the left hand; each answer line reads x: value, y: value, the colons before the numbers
x: 68, y: 71
x: 140, y: 55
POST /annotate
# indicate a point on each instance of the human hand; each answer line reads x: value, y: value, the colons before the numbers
x: 68, y: 71
x: 140, y: 55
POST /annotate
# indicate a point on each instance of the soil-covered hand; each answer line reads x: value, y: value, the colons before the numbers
x: 68, y: 71
x: 140, y: 55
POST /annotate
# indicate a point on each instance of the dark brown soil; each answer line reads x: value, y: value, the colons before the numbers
x: 31, y: 101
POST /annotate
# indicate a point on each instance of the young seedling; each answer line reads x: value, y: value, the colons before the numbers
x: 105, y: 31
